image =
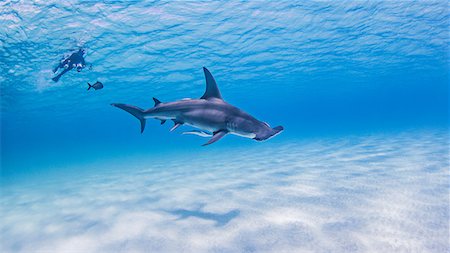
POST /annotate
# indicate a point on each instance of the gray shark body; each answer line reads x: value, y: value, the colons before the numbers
x: 210, y: 113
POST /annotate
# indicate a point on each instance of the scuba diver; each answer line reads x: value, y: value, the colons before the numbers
x: 76, y: 60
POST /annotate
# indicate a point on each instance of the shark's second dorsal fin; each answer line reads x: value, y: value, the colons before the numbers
x: 212, y: 91
x: 157, y: 102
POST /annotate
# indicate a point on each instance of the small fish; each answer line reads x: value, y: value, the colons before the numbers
x: 97, y: 86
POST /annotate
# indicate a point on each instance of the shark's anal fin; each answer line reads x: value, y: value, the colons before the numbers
x: 212, y: 91
x: 199, y: 133
x: 176, y: 125
x: 217, y: 136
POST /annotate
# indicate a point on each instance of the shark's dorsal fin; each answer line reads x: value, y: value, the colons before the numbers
x: 212, y: 91
x: 157, y: 102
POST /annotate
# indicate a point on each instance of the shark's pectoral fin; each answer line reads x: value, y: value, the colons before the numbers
x: 199, y: 133
x: 217, y: 136
x: 163, y: 121
x: 176, y: 125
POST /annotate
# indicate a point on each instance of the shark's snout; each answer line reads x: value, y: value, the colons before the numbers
x: 272, y: 132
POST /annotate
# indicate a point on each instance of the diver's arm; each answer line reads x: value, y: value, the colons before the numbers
x: 60, y: 65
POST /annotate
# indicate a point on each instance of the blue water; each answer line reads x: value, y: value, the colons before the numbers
x: 361, y: 88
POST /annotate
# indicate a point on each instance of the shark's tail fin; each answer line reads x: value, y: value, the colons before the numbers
x: 90, y: 86
x: 135, y: 111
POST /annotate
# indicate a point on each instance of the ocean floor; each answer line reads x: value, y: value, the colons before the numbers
x: 374, y: 193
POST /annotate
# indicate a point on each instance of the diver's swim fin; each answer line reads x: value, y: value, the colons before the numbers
x: 56, y: 78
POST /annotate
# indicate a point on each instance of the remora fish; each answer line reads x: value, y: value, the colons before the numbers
x: 209, y: 113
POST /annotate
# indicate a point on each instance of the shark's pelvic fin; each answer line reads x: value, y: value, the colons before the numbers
x: 157, y: 102
x: 199, y: 133
x: 163, y: 121
x: 212, y: 91
x: 217, y: 136
x: 176, y: 125
x: 135, y: 111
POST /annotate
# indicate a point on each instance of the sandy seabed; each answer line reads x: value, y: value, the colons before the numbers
x: 378, y: 193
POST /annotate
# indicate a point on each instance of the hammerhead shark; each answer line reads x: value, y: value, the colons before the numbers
x: 211, y: 114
